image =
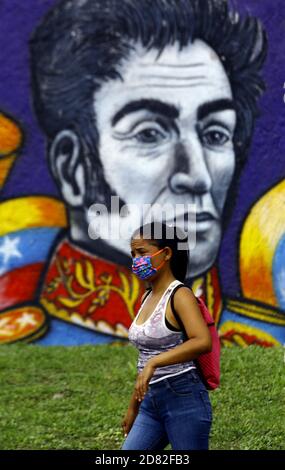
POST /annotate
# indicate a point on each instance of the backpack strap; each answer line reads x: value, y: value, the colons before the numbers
x: 199, y: 301
x: 148, y: 291
x: 178, y: 319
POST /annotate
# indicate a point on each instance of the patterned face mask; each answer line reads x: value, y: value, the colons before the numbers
x: 142, y: 266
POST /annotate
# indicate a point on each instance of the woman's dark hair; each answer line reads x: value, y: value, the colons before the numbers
x: 165, y: 235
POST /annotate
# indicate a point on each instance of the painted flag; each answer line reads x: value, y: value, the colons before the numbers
x: 29, y: 227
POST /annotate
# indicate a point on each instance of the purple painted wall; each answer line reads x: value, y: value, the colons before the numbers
x: 264, y: 169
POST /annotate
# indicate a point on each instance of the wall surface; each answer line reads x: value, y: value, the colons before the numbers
x: 90, y: 110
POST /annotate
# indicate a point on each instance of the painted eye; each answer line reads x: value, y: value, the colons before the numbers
x: 150, y: 136
x: 215, y: 138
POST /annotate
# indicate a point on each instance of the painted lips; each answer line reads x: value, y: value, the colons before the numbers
x: 200, y: 217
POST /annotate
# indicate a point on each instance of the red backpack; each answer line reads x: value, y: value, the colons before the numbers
x: 208, y: 364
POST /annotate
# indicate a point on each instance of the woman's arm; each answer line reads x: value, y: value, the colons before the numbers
x: 199, y: 341
x: 130, y: 415
x: 134, y: 403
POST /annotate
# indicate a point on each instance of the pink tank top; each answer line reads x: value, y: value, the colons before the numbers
x: 154, y: 337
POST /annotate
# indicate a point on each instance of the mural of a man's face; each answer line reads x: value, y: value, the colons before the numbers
x: 166, y: 136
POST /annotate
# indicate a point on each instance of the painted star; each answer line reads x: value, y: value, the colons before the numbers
x: 9, y: 249
x: 26, y: 319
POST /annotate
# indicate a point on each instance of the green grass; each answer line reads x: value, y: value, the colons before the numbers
x: 75, y: 397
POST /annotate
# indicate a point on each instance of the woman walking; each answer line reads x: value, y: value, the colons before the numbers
x: 170, y: 403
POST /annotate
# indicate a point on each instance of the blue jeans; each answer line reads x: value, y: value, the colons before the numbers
x: 176, y: 410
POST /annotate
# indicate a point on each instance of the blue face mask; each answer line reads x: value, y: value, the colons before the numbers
x: 142, y: 266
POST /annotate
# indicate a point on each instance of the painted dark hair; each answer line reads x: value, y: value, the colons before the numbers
x: 80, y: 45
x: 165, y: 235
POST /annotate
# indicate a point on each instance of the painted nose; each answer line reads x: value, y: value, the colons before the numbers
x: 190, y: 173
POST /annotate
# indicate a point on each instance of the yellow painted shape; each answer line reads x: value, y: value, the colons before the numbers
x: 32, y: 211
x: 261, y: 233
x: 240, y: 330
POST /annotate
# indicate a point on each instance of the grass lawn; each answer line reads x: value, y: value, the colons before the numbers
x: 75, y: 397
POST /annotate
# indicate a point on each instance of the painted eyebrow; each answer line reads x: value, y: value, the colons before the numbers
x: 176, y: 66
x: 214, y: 106
x: 154, y: 106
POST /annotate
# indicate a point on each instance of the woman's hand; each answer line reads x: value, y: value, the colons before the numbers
x: 143, y: 379
x: 128, y: 420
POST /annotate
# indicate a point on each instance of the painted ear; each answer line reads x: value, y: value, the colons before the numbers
x: 67, y: 167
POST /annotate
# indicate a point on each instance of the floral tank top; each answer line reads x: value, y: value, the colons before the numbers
x: 154, y: 337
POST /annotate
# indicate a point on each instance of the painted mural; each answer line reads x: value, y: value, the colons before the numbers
x: 150, y: 102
